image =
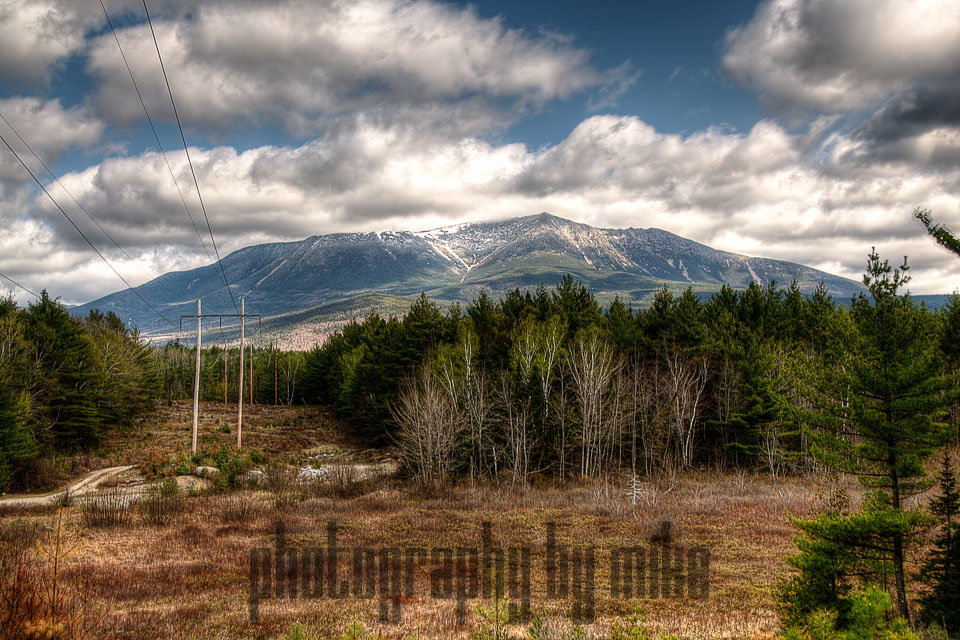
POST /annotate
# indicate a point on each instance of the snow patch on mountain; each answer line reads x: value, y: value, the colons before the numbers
x: 272, y: 271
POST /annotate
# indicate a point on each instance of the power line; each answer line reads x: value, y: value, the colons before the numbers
x: 77, y: 202
x: 19, y: 285
x: 82, y: 234
x: 189, y: 161
x: 155, y: 134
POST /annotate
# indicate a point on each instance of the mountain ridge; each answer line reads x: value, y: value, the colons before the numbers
x: 451, y: 264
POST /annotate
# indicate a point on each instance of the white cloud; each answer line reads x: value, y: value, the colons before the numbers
x: 294, y: 62
x: 48, y: 128
x: 764, y: 192
x: 843, y: 56
x: 36, y: 35
x: 399, y: 101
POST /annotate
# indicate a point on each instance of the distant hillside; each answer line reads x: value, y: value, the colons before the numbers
x: 323, y: 280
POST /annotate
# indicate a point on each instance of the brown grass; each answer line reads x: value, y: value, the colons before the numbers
x: 189, y: 578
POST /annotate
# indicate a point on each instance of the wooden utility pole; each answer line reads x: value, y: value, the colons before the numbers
x: 276, y: 359
x: 243, y: 316
x: 196, y: 385
x: 240, y: 386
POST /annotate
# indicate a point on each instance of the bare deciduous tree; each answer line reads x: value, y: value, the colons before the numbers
x: 514, y: 416
x: 686, y: 379
x: 591, y: 367
x: 429, y: 426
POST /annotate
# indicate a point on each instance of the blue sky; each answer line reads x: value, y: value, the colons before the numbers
x: 804, y: 130
x: 674, y: 46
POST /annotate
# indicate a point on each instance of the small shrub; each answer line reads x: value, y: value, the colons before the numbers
x: 630, y: 629
x: 345, y: 476
x: 37, y: 599
x: 493, y: 620
x: 356, y: 631
x: 297, y: 633
x: 182, y: 468
x: 20, y: 602
x: 284, y: 484
x: 162, y: 503
x: 232, y: 466
x: 110, y: 508
x: 240, y: 507
x: 19, y: 536
x: 869, y: 617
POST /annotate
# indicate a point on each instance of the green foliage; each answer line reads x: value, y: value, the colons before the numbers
x: 950, y: 337
x: 493, y: 620
x: 941, y: 571
x: 356, y: 631
x: 838, y: 550
x: 63, y: 381
x: 941, y: 234
x: 232, y: 465
x: 868, y: 618
x: 629, y: 629
x: 880, y: 409
x: 17, y: 446
x: 297, y: 633
x: 512, y: 390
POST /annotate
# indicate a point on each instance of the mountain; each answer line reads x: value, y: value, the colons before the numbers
x: 327, y: 279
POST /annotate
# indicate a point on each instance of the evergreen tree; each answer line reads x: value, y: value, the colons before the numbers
x: 576, y: 304
x: 837, y: 548
x: 619, y: 325
x: 950, y: 338
x: 17, y: 446
x: 760, y: 427
x: 941, y: 572
x: 879, y: 414
x: 70, y: 368
x: 941, y: 234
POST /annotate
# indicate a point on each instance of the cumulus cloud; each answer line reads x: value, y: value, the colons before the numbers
x: 297, y: 63
x: 765, y: 192
x: 919, y: 126
x: 47, y: 127
x: 843, y: 56
x: 398, y: 103
x: 36, y: 35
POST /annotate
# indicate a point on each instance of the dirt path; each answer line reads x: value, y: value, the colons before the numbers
x: 86, y: 484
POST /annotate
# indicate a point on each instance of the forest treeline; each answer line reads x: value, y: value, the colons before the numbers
x: 548, y: 382
x: 64, y: 381
x: 538, y: 382
x: 276, y: 374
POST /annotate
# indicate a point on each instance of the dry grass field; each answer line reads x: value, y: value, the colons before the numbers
x: 190, y: 577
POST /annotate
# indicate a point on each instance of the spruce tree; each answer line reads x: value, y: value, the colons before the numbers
x: 72, y: 372
x: 941, y: 572
x: 17, y: 446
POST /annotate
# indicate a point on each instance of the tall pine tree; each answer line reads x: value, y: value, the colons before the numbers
x: 879, y: 412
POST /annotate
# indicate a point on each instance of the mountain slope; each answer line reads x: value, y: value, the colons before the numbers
x: 291, y: 279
